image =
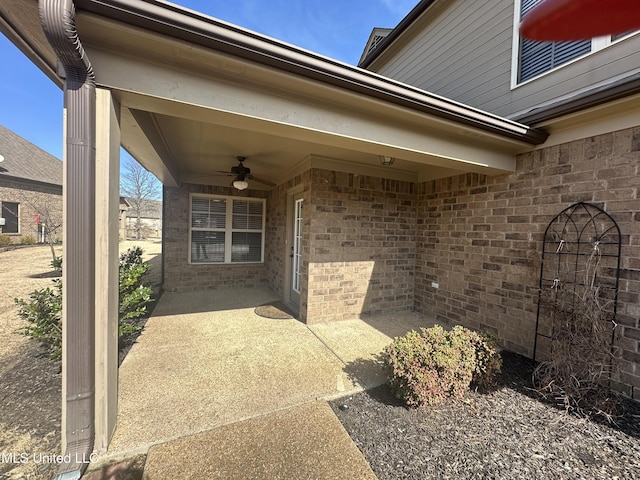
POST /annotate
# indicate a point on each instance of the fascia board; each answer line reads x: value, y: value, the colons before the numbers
x: 171, y: 20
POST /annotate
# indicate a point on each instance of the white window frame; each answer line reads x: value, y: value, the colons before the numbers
x: 597, y: 44
x: 228, y: 229
x: 297, y: 245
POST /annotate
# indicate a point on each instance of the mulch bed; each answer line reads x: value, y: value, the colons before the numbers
x: 507, y: 433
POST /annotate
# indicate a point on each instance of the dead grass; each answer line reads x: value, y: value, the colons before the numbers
x: 30, y: 384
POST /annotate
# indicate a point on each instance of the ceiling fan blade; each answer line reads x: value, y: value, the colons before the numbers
x: 211, y: 175
x: 261, y: 180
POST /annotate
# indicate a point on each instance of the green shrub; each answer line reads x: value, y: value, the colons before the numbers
x: 133, y: 295
x: 429, y: 367
x: 56, y: 264
x: 5, y: 240
x: 43, y: 310
x: 27, y: 240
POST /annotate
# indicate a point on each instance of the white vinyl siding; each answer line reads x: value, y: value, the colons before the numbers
x: 469, y: 52
x: 462, y: 52
x: 226, y: 229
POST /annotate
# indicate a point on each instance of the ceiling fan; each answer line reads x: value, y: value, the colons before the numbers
x: 243, y: 174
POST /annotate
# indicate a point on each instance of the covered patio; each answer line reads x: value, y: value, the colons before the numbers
x: 331, y: 229
x: 206, y: 360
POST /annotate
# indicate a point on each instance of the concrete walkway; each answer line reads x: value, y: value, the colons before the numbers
x: 212, y: 390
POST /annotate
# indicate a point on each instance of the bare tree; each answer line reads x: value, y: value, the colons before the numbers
x: 140, y: 188
x: 51, y: 224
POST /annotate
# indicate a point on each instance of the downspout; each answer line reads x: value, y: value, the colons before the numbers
x: 78, y: 409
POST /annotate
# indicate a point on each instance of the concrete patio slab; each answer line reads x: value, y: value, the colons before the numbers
x: 206, y: 360
x: 191, y: 372
x: 359, y: 343
x: 304, y: 442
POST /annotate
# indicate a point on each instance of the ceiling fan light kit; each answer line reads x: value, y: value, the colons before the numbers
x: 240, y: 183
x: 242, y: 175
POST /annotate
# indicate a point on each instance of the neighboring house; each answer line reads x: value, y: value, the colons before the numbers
x: 374, y: 192
x: 123, y: 208
x: 150, y: 219
x: 30, y: 190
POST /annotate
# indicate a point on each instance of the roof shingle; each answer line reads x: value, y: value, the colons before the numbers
x: 24, y: 160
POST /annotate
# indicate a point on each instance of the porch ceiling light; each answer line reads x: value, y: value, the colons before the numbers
x: 240, y: 183
x: 384, y: 160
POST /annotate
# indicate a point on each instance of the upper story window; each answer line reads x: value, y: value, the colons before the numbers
x: 533, y: 58
x: 226, y: 229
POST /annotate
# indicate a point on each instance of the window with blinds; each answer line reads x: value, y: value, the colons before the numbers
x: 535, y: 58
x: 226, y: 229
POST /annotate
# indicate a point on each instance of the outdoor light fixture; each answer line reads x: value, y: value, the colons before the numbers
x: 384, y: 160
x: 240, y: 183
x: 1, y: 158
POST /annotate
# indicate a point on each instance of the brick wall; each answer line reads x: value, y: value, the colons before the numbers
x: 362, y: 246
x: 480, y: 239
x: 376, y: 245
x: 32, y: 198
x: 179, y: 275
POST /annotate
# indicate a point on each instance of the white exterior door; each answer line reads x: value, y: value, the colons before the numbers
x: 296, y: 250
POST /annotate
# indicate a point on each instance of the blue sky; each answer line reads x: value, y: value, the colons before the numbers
x: 32, y: 105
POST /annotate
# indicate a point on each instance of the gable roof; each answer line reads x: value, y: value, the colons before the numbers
x: 377, y: 35
x: 370, y: 55
x: 25, y: 161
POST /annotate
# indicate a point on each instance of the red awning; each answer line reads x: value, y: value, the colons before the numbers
x: 558, y: 20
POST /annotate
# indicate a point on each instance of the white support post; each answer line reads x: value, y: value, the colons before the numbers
x: 107, y: 254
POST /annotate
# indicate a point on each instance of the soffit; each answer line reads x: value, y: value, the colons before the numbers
x: 173, y: 53
x: 20, y: 22
x: 264, y: 110
x: 207, y: 107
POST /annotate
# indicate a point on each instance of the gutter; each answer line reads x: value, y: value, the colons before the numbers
x: 78, y: 362
x: 176, y: 22
x: 28, y: 181
x: 591, y: 98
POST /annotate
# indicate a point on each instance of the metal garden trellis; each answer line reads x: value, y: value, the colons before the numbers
x: 572, y: 240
